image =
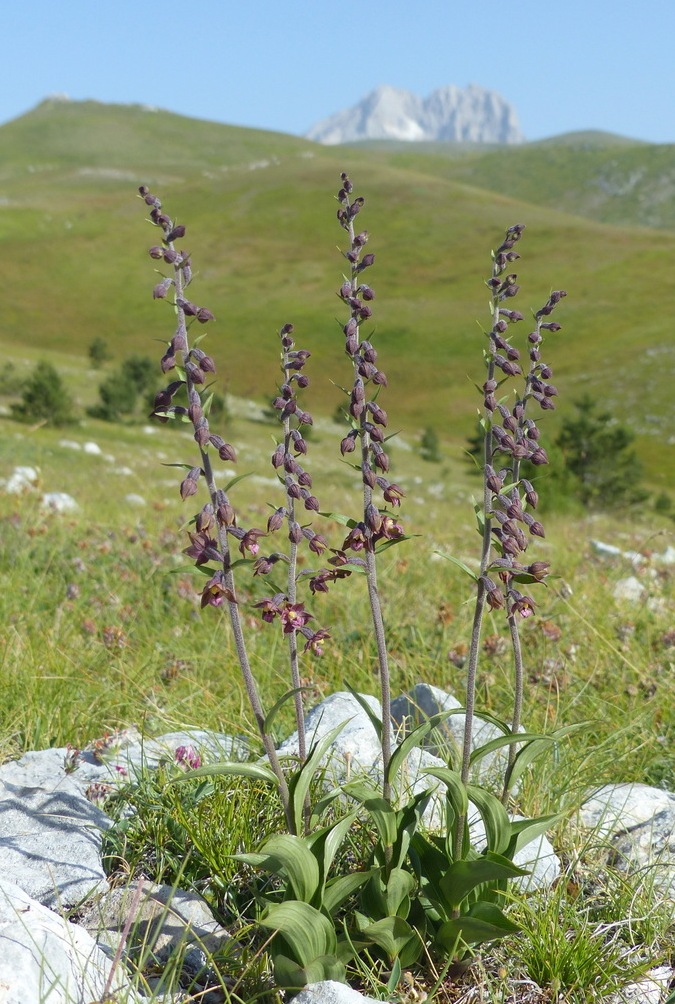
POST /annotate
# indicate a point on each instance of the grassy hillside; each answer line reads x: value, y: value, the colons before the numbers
x: 596, y: 175
x: 261, y: 227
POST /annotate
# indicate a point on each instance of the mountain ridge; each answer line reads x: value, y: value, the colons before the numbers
x: 469, y: 114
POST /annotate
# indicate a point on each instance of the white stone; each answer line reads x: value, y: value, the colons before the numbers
x: 92, y: 448
x: 59, y: 502
x: 330, y: 992
x: 50, y: 843
x: 629, y: 590
x: 45, y: 958
x: 163, y: 919
x: 651, y: 989
x: 22, y: 479
x: 637, y: 822
x: 424, y: 701
x: 135, y: 500
x: 70, y: 444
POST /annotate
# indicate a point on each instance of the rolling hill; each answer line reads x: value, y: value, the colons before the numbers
x: 260, y: 220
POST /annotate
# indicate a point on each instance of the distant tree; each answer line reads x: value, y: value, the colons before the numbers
x: 430, y: 447
x: 119, y: 393
x: 44, y: 398
x: 596, y: 450
x: 99, y: 352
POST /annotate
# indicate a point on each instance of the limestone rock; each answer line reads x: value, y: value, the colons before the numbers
x: 163, y: 919
x: 330, y: 992
x: 50, y: 843
x: 45, y: 958
x: 638, y: 823
x: 423, y: 701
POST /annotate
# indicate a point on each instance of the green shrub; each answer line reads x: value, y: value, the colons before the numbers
x: 119, y: 393
x: 596, y: 451
x: 99, y: 352
x: 44, y: 398
x: 430, y: 448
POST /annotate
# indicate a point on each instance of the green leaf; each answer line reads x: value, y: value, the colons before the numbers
x: 456, y: 791
x: 326, y: 842
x: 464, y: 876
x: 341, y: 888
x: 524, y: 831
x: 188, y: 569
x: 299, y: 783
x: 534, y: 749
x: 394, y: 977
x: 394, y: 935
x: 407, y: 823
x: 374, y: 720
x: 501, y: 741
x: 233, y: 481
x: 415, y: 738
x: 380, y: 810
x: 291, y: 976
x: 287, y: 853
x: 272, y: 713
x: 339, y: 517
x: 489, y: 924
x: 399, y: 885
x: 258, y: 771
x: 460, y: 564
x: 392, y: 543
x: 494, y: 816
x: 307, y: 932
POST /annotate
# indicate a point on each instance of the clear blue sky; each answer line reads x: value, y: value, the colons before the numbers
x: 567, y: 65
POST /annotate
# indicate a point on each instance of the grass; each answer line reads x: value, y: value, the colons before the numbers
x: 66, y: 219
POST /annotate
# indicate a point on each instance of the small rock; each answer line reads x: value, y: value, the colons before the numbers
x: 59, y: 502
x: 163, y: 919
x: 92, y: 448
x: 45, y: 958
x: 424, y: 701
x: 630, y: 590
x: 50, y: 843
x: 651, y: 989
x: 330, y: 992
x: 135, y: 500
x: 22, y: 479
x: 638, y: 823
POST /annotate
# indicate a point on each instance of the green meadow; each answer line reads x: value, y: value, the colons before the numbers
x: 261, y: 226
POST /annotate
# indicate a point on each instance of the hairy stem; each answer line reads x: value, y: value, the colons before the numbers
x: 233, y: 607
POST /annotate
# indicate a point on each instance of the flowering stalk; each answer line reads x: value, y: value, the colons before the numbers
x: 368, y: 422
x: 297, y: 484
x: 192, y: 367
x: 507, y: 497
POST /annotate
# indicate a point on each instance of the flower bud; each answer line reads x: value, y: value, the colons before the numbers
x: 225, y: 514
x: 372, y: 518
x: 161, y: 289
x: 276, y: 520
x: 188, y: 486
x: 294, y: 533
x: 176, y: 233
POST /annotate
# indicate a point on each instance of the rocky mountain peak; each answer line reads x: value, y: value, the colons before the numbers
x: 466, y: 114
